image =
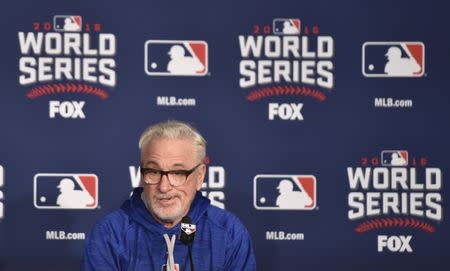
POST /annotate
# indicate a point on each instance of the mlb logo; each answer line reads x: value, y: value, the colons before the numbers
x: 282, y: 26
x: 176, y: 58
x: 284, y: 192
x: 393, y: 59
x: 67, y: 23
x: 394, y: 158
x: 188, y: 228
x: 65, y: 191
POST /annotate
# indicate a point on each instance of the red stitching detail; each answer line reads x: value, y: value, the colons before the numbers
x: 266, y: 92
x: 60, y: 88
x: 394, y: 223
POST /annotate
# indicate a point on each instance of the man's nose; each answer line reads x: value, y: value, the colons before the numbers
x: 164, y: 184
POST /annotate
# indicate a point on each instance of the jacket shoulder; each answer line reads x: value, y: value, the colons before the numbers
x: 110, y: 230
x: 226, y: 221
x: 238, y: 250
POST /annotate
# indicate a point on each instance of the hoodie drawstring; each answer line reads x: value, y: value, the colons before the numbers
x: 170, y: 248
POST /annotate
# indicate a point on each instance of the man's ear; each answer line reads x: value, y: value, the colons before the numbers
x: 200, y: 176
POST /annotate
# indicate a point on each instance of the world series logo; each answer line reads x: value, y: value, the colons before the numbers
x: 67, y: 56
x: 288, y: 60
x: 395, y: 191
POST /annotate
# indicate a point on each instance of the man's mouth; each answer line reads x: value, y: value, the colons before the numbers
x: 167, y: 200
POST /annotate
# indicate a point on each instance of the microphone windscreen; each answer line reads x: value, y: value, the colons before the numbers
x: 188, y: 229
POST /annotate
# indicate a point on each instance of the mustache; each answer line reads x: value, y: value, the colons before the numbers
x: 165, y: 196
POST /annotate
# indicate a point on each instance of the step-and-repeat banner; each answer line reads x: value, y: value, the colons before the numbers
x: 326, y: 121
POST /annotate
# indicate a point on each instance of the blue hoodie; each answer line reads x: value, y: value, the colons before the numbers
x: 131, y: 239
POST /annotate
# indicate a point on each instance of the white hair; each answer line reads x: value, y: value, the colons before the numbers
x: 174, y: 129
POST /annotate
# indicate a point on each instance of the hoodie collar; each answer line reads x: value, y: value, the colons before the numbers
x: 136, y: 210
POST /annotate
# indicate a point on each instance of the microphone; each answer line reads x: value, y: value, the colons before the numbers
x: 188, y: 229
x: 187, y: 236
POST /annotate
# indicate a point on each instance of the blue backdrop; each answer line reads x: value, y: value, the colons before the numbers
x: 274, y: 104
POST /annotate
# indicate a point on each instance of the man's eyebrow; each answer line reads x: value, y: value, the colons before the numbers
x: 179, y: 165
x: 156, y: 165
x: 151, y: 163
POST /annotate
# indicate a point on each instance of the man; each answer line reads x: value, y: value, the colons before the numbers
x: 144, y: 233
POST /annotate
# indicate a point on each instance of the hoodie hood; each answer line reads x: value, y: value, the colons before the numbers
x: 137, y: 212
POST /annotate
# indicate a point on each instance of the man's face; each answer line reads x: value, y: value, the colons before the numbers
x: 166, y: 203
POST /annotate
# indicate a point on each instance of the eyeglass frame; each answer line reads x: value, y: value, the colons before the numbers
x: 186, y: 172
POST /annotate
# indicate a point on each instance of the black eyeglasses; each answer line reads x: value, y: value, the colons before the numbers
x: 176, y: 177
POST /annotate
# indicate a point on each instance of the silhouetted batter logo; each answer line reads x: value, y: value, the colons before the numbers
x: 67, y: 23
x: 283, y: 26
x: 284, y: 192
x: 65, y: 191
x: 393, y: 59
x: 394, y: 158
x: 176, y: 58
